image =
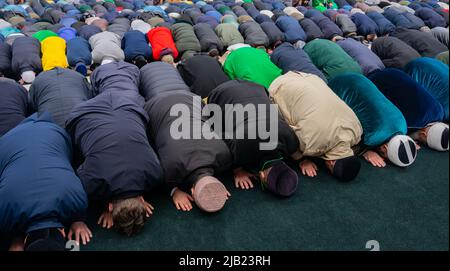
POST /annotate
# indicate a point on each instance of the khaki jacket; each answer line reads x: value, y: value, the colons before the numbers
x: 325, y: 126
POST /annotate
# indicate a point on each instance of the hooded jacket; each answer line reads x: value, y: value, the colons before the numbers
x: 161, y: 39
x: 251, y: 64
x: 106, y: 45
x: 53, y: 53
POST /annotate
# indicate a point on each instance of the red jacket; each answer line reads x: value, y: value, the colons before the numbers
x: 161, y: 38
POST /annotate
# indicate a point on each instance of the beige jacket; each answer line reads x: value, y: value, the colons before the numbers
x: 325, y: 126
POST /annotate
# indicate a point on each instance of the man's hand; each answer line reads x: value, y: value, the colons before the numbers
x: 148, y: 207
x: 308, y: 168
x: 374, y: 158
x: 417, y: 145
x: 182, y: 200
x: 242, y: 179
x: 80, y: 229
x: 106, y: 219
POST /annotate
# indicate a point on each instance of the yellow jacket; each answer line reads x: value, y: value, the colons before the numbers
x: 53, y: 53
x: 325, y: 126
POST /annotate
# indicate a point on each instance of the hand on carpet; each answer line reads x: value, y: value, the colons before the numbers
x: 242, y: 179
x: 308, y: 168
x: 80, y: 230
x: 182, y: 200
x: 148, y: 207
x: 374, y: 158
x: 106, y: 219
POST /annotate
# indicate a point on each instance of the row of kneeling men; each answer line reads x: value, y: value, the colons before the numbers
x: 112, y: 140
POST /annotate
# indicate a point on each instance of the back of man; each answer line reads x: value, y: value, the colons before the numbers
x: 38, y: 186
x: 13, y: 104
x: 58, y: 91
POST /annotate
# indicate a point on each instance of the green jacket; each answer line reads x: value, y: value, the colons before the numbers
x: 330, y: 58
x: 41, y: 35
x: 251, y: 64
x: 323, y: 5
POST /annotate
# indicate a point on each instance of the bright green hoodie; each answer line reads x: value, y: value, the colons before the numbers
x: 41, y: 35
x: 323, y: 5
x: 251, y: 64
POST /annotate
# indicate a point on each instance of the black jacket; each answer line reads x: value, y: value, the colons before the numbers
x: 246, y: 151
x: 184, y: 160
x: 13, y: 104
x: 202, y: 74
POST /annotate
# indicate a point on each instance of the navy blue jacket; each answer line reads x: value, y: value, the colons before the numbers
x: 364, y: 25
x: 430, y: 17
x: 423, y: 42
x: 416, y: 103
x: 13, y: 104
x: 5, y: 59
x: 272, y: 31
x: 398, y: 18
x: 328, y: 28
x: 134, y: 43
x: 288, y: 58
x: 26, y: 55
x: 110, y: 132
x: 311, y: 29
x: 384, y: 25
x: 291, y: 28
x: 38, y: 187
x: 78, y: 51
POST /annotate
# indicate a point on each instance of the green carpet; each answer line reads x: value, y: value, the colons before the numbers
x: 403, y: 209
